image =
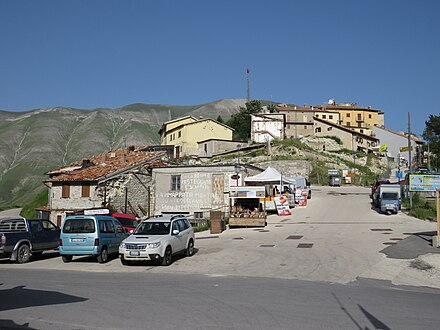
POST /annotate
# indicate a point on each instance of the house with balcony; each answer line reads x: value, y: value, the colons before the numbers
x: 185, y: 133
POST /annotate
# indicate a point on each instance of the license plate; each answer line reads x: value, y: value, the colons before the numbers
x: 135, y: 253
x: 78, y: 240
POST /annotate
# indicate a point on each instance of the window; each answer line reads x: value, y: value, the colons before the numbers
x: 329, y: 128
x: 65, y: 190
x: 198, y: 215
x: 48, y: 225
x: 348, y: 124
x: 317, y: 115
x: 348, y: 115
x: 175, y: 182
x: 318, y: 130
x: 85, y: 191
x: 369, y: 116
x: 359, y: 116
x: 330, y: 116
x: 324, y: 116
x: 106, y: 226
x: 362, y: 130
x: 305, y: 126
x: 184, y: 224
x: 179, y: 134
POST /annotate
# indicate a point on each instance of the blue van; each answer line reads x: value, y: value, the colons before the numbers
x: 96, y: 235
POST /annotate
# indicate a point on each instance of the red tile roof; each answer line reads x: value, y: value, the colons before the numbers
x: 99, y: 166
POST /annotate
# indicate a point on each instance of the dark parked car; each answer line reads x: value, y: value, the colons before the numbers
x: 20, y: 238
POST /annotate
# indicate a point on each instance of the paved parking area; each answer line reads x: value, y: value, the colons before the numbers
x: 338, y: 237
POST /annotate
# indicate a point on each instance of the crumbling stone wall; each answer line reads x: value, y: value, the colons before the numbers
x: 136, y: 188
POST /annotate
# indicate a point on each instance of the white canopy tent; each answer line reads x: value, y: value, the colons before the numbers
x: 270, y: 176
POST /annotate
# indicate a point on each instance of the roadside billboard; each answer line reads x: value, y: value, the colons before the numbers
x: 424, y: 182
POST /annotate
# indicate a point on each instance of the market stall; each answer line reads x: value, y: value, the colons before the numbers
x: 276, y: 185
x: 245, y: 207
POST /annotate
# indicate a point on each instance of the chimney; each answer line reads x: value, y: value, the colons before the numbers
x: 86, y: 163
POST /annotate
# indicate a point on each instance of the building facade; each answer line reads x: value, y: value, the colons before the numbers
x: 350, y: 138
x: 119, y: 180
x: 267, y: 127
x: 185, y: 133
x: 196, y: 190
x: 361, y: 119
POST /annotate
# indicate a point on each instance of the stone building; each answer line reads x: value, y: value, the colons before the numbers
x: 119, y: 180
x: 197, y: 190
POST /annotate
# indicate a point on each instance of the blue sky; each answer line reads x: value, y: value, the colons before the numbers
x: 89, y: 54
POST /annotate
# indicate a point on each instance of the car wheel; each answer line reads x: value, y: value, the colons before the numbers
x: 67, y: 259
x: 23, y: 254
x: 167, y: 258
x: 103, y: 256
x: 190, y: 248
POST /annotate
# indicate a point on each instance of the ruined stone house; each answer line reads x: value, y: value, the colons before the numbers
x: 119, y: 180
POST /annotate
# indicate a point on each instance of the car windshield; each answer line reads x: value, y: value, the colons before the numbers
x: 389, y: 196
x: 153, y: 228
x: 127, y: 222
x: 75, y: 226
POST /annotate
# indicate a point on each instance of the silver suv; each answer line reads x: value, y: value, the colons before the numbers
x: 158, y: 239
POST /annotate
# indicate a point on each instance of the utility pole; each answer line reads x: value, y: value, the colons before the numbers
x: 248, y: 93
x: 409, y: 160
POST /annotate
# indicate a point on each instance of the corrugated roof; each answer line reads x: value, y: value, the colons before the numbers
x: 100, y: 166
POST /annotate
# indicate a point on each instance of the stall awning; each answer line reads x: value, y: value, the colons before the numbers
x: 270, y: 175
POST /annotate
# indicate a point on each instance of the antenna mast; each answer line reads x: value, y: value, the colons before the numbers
x: 248, y: 94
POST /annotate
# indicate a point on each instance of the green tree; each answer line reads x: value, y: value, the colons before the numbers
x: 271, y: 107
x: 220, y: 119
x: 432, y: 135
x: 241, y: 121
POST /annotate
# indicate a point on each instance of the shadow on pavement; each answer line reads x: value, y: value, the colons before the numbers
x: 9, y: 324
x: 413, y: 246
x: 20, y: 297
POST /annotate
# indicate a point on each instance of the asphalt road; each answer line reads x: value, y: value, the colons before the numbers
x: 337, y: 264
x: 39, y: 299
x: 338, y: 238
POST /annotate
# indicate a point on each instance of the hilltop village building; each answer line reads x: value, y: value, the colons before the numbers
x: 351, y: 140
x: 360, y: 119
x: 397, y: 145
x: 186, y: 132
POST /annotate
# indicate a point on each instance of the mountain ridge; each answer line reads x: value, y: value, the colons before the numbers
x: 36, y: 141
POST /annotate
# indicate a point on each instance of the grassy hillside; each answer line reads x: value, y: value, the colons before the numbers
x: 34, y: 142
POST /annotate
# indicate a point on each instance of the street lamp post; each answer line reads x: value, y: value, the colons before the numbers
x: 237, y: 166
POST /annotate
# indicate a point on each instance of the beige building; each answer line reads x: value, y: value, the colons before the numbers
x: 351, y: 139
x: 298, y: 120
x: 361, y: 119
x: 185, y: 133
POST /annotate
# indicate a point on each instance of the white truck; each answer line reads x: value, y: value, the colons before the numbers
x: 388, y: 197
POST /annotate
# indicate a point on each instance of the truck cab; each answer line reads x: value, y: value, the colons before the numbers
x: 389, y: 202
